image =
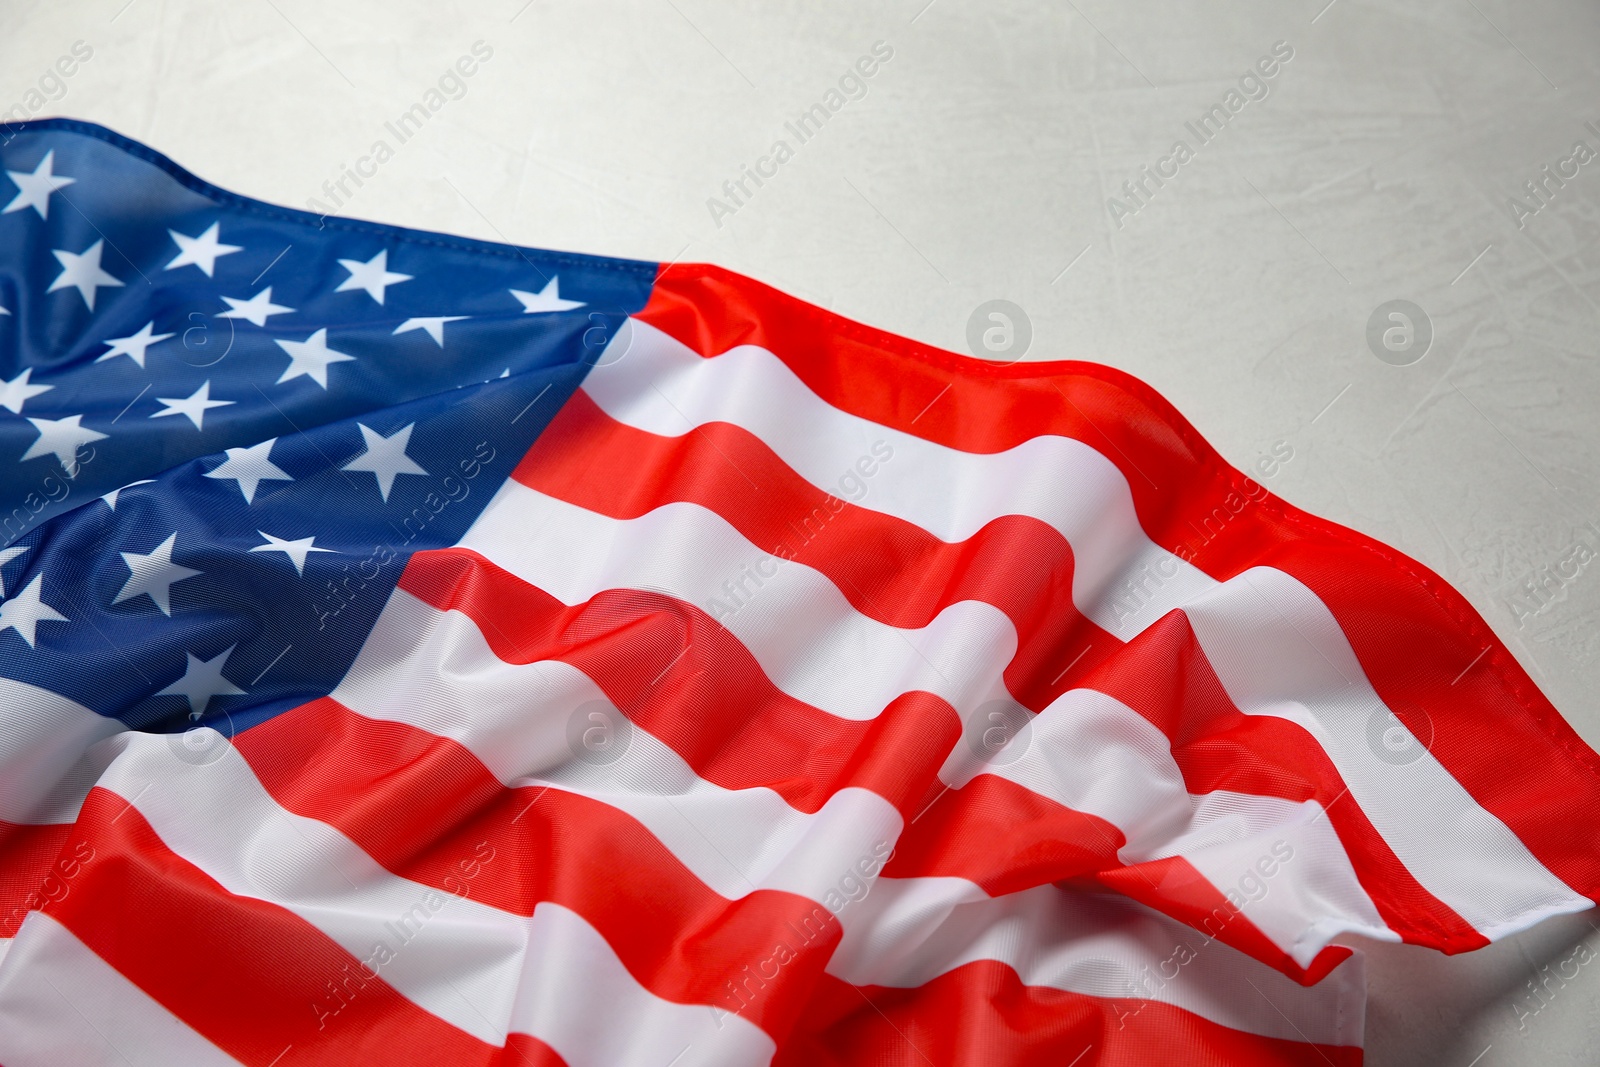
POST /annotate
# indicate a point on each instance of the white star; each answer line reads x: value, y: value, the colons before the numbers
x: 134, y: 346
x: 546, y: 299
x: 61, y: 438
x: 311, y: 358
x: 434, y: 326
x: 83, y: 273
x: 195, y: 406
x: 250, y: 467
x: 202, y: 679
x: 154, y: 575
x: 37, y: 187
x: 25, y: 611
x: 6, y: 556
x: 295, y: 550
x: 202, y: 251
x: 4, y: 311
x: 17, y: 392
x: 374, y: 276
x: 111, y: 497
x: 385, y: 457
x: 254, y: 310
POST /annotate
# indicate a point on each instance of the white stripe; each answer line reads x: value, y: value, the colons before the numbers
x: 1273, y: 659
x: 1283, y: 866
x: 62, y: 1004
x: 43, y: 737
x: 910, y: 931
x: 474, y: 966
x: 577, y: 997
x: 809, y: 640
x: 1279, y: 861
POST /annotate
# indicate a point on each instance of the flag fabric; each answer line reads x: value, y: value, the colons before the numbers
x: 421, y: 650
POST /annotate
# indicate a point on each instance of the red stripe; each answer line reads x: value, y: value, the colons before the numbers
x: 29, y: 874
x: 247, y: 975
x: 525, y: 1051
x: 1177, y: 889
x: 1411, y: 631
x: 981, y: 1013
x: 512, y: 849
x: 1004, y: 837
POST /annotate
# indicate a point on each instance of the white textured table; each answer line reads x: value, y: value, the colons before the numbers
x: 1376, y: 164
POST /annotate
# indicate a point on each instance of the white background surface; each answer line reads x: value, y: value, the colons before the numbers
x: 978, y: 166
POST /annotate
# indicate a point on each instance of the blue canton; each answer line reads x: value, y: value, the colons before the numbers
x: 225, y: 426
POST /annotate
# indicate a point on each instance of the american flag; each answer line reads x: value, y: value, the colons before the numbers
x: 421, y: 650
